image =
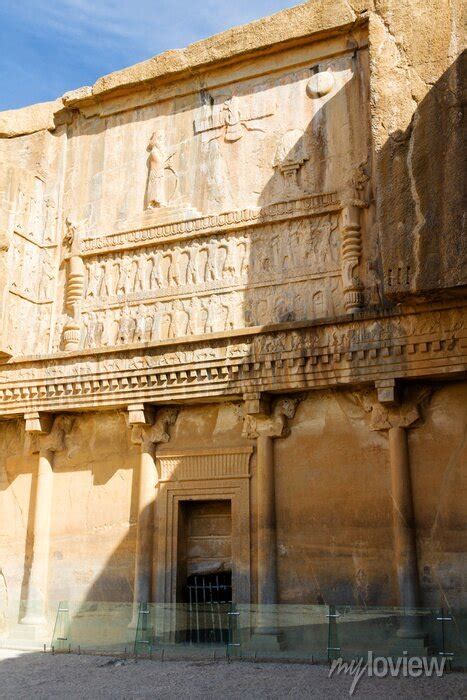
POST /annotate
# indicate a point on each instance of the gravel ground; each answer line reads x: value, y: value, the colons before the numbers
x: 38, y: 676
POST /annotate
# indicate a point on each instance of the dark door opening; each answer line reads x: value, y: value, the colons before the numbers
x: 209, y: 602
x: 204, y: 571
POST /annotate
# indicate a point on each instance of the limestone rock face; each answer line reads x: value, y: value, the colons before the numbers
x: 236, y: 265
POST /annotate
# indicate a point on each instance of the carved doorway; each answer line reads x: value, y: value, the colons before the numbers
x: 220, y: 476
x: 205, y: 569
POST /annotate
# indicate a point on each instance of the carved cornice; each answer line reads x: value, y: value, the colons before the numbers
x: 292, y: 357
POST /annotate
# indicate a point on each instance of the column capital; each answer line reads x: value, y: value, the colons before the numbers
x: 47, y: 432
x: 393, y: 408
x: 142, y: 434
x: 274, y: 425
x: 386, y: 417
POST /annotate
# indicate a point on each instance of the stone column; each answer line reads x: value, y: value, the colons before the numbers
x: 148, y: 429
x: 397, y: 420
x: 47, y: 437
x: 265, y: 426
x: 74, y: 286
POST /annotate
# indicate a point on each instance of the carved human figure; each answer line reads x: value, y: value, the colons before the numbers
x: 228, y: 265
x: 156, y: 322
x: 228, y: 319
x: 107, y: 277
x: 299, y: 307
x: 94, y: 279
x: 181, y: 319
x: 46, y: 277
x: 36, y: 218
x: 276, y: 251
x: 158, y: 163
x: 192, y: 273
x: 140, y: 331
x: 70, y: 240
x: 126, y: 326
x: 50, y: 220
x: 214, y: 314
x: 242, y: 257
x: 293, y: 249
x: 124, y: 276
x: 191, y: 310
x: 232, y: 117
x: 109, y: 328
x: 318, y: 303
x: 155, y: 278
x: 17, y: 265
x: 281, y: 311
x: 22, y: 211
x: 167, y: 324
x: 173, y: 271
x: 30, y: 282
x: 211, y: 273
x: 94, y: 330
x: 262, y: 312
x: 140, y: 274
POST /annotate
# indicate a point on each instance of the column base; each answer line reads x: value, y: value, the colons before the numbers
x: 267, y: 641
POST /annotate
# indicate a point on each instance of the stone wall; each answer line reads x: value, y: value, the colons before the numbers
x: 334, y: 528
x: 236, y: 271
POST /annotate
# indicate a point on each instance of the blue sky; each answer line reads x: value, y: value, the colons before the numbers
x: 50, y: 46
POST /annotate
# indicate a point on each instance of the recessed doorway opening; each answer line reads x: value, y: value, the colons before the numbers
x: 205, y: 569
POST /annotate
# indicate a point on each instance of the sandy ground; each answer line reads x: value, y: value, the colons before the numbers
x: 38, y: 675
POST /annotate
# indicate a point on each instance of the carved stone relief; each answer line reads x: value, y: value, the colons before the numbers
x: 272, y: 274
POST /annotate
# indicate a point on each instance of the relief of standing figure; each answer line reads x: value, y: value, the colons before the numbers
x: 158, y: 163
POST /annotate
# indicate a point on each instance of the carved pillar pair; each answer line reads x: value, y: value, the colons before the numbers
x: 149, y: 428
x: 397, y: 420
x: 46, y: 438
x: 265, y: 424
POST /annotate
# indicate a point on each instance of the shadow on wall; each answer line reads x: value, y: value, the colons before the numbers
x: 418, y: 180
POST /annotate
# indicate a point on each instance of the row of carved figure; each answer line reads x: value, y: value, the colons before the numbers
x: 213, y: 260
x: 32, y: 270
x: 36, y: 216
x: 210, y: 314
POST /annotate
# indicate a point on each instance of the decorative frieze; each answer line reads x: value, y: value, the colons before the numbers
x: 295, y: 358
x: 213, y: 463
